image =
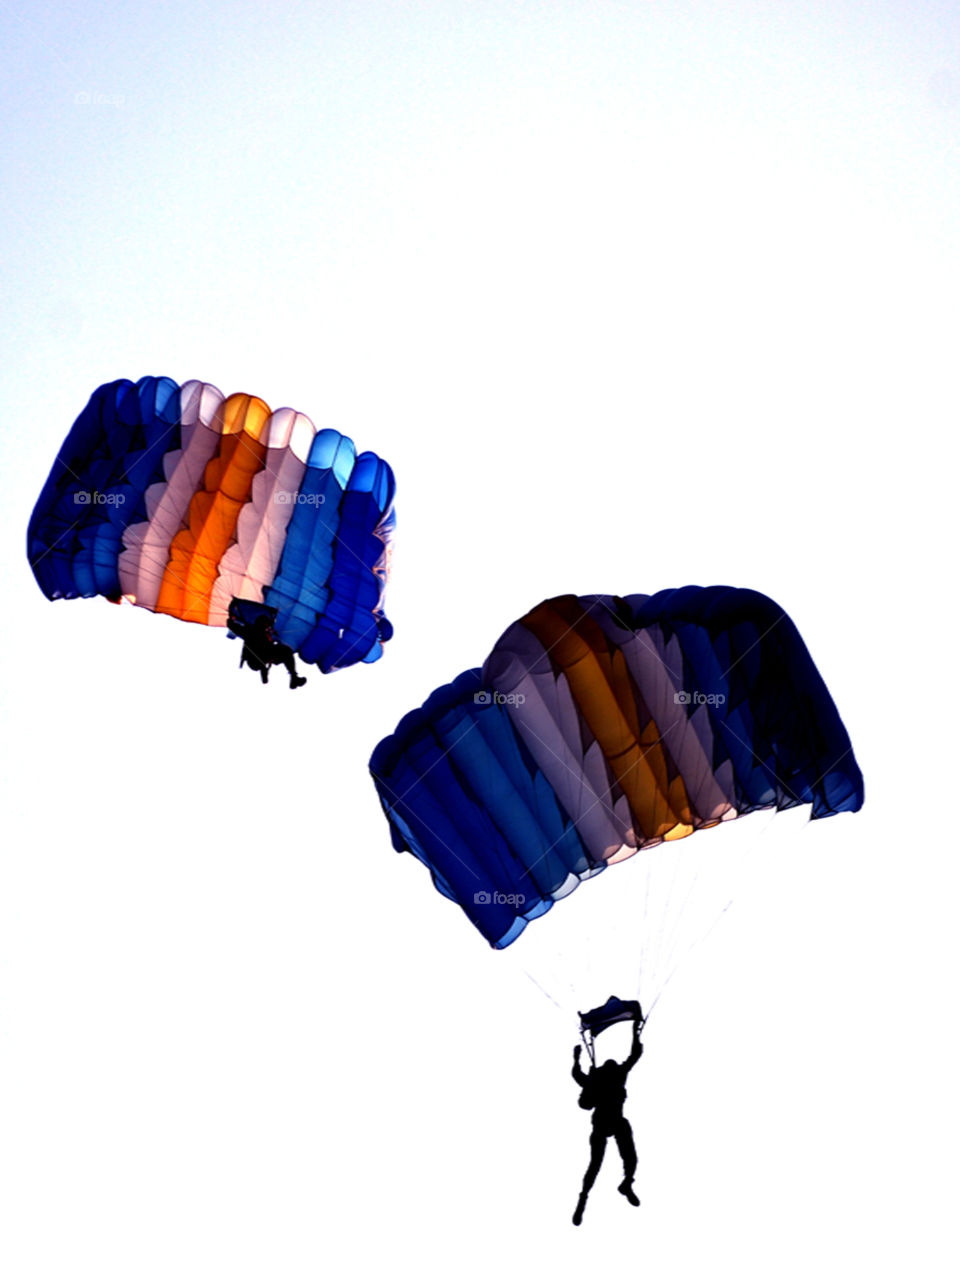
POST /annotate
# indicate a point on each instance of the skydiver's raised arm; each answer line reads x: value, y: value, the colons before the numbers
x: 637, y: 1049
x: 577, y: 1073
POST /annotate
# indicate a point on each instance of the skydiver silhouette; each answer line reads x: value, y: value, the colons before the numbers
x: 263, y: 649
x: 604, y: 1092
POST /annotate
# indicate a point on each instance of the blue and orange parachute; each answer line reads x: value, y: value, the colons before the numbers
x: 180, y: 500
x: 602, y: 725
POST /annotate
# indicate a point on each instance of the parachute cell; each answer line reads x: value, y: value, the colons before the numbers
x: 180, y: 500
x: 603, y: 725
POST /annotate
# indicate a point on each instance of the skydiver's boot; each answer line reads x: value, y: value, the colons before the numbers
x: 297, y: 682
x: 626, y: 1189
x: 264, y: 674
x: 578, y: 1212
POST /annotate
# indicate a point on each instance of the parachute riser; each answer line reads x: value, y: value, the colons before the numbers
x: 587, y: 1038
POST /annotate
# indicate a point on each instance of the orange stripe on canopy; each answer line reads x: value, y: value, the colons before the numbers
x: 195, y: 551
x: 617, y: 717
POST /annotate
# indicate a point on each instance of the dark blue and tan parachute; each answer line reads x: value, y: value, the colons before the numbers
x: 602, y: 725
x: 179, y: 500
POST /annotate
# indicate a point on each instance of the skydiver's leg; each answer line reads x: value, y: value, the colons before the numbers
x: 282, y: 654
x: 254, y: 662
x: 598, y: 1144
x: 628, y: 1154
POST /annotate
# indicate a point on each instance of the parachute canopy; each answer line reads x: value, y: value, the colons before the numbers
x: 180, y: 499
x: 602, y: 725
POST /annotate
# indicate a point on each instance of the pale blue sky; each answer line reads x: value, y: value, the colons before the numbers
x: 629, y: 296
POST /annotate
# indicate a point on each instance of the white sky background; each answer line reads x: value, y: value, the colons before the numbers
x: 630, y: 296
